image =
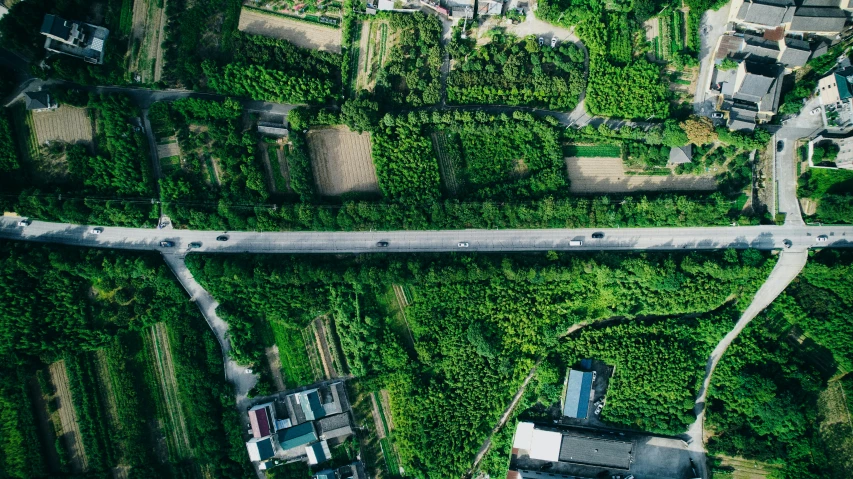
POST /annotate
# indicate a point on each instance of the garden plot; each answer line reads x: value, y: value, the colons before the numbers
x: 68, y: 417
x: 66, y: 123
x: 376, y: 42
x: 341, y: 161
x: 157, y: 345
x: 607, y: 175
x: 300, y: 33
x: 146, y: 36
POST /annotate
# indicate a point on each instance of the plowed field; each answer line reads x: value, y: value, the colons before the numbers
x: 341, y: 161
x: 301, y: 34
x: 66, y: 123
x: 607, y: 175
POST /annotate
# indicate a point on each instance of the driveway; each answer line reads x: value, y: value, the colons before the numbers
x: 711, y: 28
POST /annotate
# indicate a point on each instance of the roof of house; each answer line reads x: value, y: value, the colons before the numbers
x: 56, y: 26
x: 260, y: 449
x: 596, y: 451
x: 759, y: 48
x: 796, y: 54
x: 37, y: 100
x: 261, y: 420
x: 325, y: 474
x: 339, y: 402
x: 334, y: 426
x: 318, y: 452
x: 297, y: 436
x: 488, y: 7
x: 352, y: 471
x: 753, y: 88
x: 768, y: 12
x: 678, y: 156
x: 821, y: 3
x: 843, y: 86
x: 812, y: 19
x: 740, y: 125
x: 577, y: 394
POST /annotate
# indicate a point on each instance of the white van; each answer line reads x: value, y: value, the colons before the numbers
x: 575, y: 243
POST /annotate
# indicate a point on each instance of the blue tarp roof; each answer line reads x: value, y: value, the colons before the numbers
x: 577, y: 394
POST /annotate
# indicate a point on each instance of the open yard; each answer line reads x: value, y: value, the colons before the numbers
x: 607, y: 175
x: 146, y: 36
x: 158, y: 349
x: 66, y: 123
x: 300, y: 33
x: 376, y: 41
x: 341, y: 161
x: 70, y: 433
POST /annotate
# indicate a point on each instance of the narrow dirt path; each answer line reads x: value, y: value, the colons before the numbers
x: 323, y: 346
x: 274, y: 360
x: 68, y: 417
x: 165, y: 372
x: 787, y: 268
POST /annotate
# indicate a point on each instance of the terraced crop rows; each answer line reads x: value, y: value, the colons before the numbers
x: 158, y: 343
x: 68, y: 417
x: 342, y: 161
x: 66, y: 123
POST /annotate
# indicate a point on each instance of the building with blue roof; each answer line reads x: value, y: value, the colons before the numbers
x: 578, y: 388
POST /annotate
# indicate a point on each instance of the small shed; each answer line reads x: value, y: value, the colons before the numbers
x: 318, y: 453
x: 679, y: 156
x: 272, y: 129
x: 576, y: 403
x: 260, y: 449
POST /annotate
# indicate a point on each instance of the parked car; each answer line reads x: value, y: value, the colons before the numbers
x: 780, y: 145
x: 541, y: 41
x: 96, y: 231
x: 822, y: 239
x: 553, y: 42
x: 222, y: 238
x: 717, y: 114
x: 598, y: 235
x: 815, y: 111
x: 382, y: 244
x: 195, y: 245
x: 25, y: 222
x: 787, y: 243
x: 166, y: 244
x: 462, y: 244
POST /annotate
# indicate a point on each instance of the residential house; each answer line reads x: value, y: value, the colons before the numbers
x: 820, y: 21
x: 759, y: 50
x: 381, y: 5
x: 461, y: 8
x: 272, y: 129
x: 262, y: 420
x: 679, y: 156
x: 76, y: 39
x: 326, y: 474
x: 766, y: 13
x: 795, y: 52
x: 313, y: 404
x: 835, y: 88
x: 752, y: 93
x: 489, y: 7
x: 260, y: 449
x: 331, y: 427
x: 536, y: 446
x: 318, y: 453
x: 39, y: 101
x: 296, y: 436
x: 351, y: 471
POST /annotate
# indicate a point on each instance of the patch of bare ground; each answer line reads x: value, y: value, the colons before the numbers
x: 808, y: 205
x: 373, y: 54
x: 342, y: 161
x: 67, y: 124
x: 323, y: 347
x: 265, y: 156
x: 166, y: 150
x: 70, y: 431
x: 164, y: 369
x: 217, y: 171
x: 301, y: 34
x: 274, y: 361
x: 45, y: 428
x: 608, y: 175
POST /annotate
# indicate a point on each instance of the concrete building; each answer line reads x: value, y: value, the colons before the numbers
x: 313, y: 404
x: 578, y: 387
x: 76, y: 39
x: 844, y: 159
x: 262, y: 420
x: 318, y: 453
x: 820, y: 21
x: 260, y: 449
x: 296, y: 436
x: 333, y: 427
x: 272, y: 129
x: 489, y: 7
x: 750, y: 93
x: 835, y: 88
x: 535, y: 446
x: 766, y: 13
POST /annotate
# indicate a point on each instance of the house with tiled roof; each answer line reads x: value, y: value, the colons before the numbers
x: 260, y: 449
x: 262, y: 420
x: 297, y: 436
x: 821, y: 21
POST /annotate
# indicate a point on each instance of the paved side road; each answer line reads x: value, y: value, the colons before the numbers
x: 242, y: 380
x: 788, y: 266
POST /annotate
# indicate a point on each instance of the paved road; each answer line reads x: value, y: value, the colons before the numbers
x: 713, y: 25
x: 759, y: 237
x: 787, y: 268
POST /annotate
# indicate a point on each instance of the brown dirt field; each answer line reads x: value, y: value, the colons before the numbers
x: 301, y: 34
x: 341, y: 161
x: 164, y: 369
x: 66, y: 123
x: 749, y: 469
x: 808, y: 205
x: 323, y: 347
x: 168, y: 149
x: 607, y: 175
x: 274, y: 361
x: 68, y: 417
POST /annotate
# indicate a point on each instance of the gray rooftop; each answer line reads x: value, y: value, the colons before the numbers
x: 796, y: 54
x: 596, y: 452
x: 813, y: 19
x: 741, y: 125
x: 754, y: 88
x: 760, y: 49
x: 678, y: 156
x: 768, y: 12
x: 334, y: 426
x: 37, y: 100
x: 56, y: 26
x: 821, y: 3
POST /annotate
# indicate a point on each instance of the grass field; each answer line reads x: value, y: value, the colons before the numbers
x: 295, y: 363
x: 301, y: 33
x: 836, y: 427
x: 825, y: 181
x: 449, y: 157
x: 593, y: 151
x: 342, y: 161
x: 158, y: 351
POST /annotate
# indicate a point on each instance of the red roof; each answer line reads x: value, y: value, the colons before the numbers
x: 260, y: 422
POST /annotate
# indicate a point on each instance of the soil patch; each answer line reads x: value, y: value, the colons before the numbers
x: 341, y: 161
x: 301, y: 34
x: 66, y: 123
x: 608, y: 175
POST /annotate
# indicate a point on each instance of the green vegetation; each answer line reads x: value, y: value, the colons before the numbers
x: 410, y: 76
x: 727, y: 64
x: 593, y: 151
x: 833, y: 191
x: 68, y: 303
x: 480, y: 322
x: 825, y: 153
x: 8, y: 152
x: 500, y: 73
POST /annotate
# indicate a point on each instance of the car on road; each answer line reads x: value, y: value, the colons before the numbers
x: 780, y: 145
x: 717, y: 115
x: 822, y: 239
x: 96, y: 231
x: 462, y: 244
x: 553, y: 42
x: 222, y: 238
x: 167, y: 244
x: 598, y: 235
x: 787, y: 243
x: 381, y: 244
x: 194, y: 245
x: 25, y: 222
x: 815, y: 111
x: 575, y: 243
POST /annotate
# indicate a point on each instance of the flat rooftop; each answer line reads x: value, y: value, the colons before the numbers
x: 594, y: 451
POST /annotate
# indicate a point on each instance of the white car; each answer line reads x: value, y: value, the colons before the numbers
x: 815, y: 111
x: 553, y: 42
x: 24, y: 223
x: 822, y: 239
x: 717, y: 115
x: 462, y: 244
x: 96, y: 231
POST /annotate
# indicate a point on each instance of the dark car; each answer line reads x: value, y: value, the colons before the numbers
x: 382, y: 244
x: 598, y: 235
x: 222, y: 238
x: 167, y: 244
x: 787, y: 243
x: 780, y: 145
x: 195, y: 245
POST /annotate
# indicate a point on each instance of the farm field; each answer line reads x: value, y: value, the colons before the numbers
x: 66, y: 123
x: 158, y: 349
x: 593, y: 151
x: 146, y: 36
x: 341, y: 161
x: 297, y: 365
x: 70, y: 432
x: 373, y: 49
x: 836, y: 425
x: 300, y: 33
x: 667, y: 34
x: 448, y: 160
x: 748, y: 468
x: 277, y: 175
x: 607, y: 175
